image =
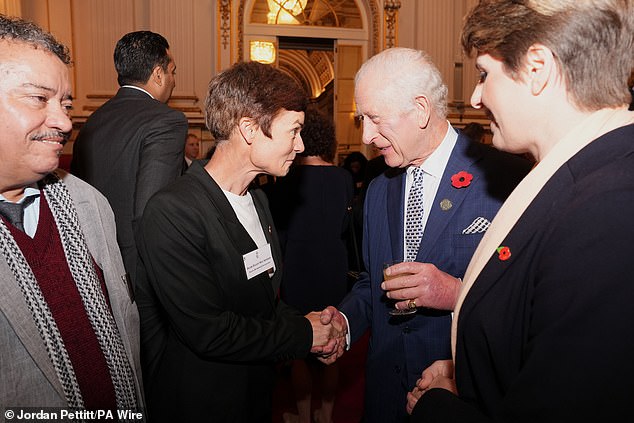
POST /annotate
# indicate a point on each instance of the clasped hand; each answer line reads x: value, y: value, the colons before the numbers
x: 438, y: 375
x: 422, y: 282
x: 329, y: 334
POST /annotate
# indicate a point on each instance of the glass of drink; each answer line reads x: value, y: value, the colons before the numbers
x: 395, y: 311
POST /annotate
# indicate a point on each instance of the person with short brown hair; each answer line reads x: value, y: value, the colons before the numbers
x: 212, y: 324
x: 542, y: 329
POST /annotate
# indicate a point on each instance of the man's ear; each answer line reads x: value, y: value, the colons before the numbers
x: 540, y: 67
x: 423, y: 111
x: 158, y: 75
x: 248, y: 129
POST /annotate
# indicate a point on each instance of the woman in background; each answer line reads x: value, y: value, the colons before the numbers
x: 310, y: 207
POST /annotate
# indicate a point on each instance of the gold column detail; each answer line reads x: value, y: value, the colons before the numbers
x: 240, y: 29
x: 224, y: 8
x: 391, y: 22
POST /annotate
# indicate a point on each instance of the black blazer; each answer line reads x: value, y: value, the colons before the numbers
x: 210, y: 336
x: 128, y: 149
x: 548, y: 334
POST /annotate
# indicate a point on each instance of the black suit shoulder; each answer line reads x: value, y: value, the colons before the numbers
x: 119, y: 128
x: 133, y: 105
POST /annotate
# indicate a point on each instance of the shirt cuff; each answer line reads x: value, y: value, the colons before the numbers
x: 347, y: 333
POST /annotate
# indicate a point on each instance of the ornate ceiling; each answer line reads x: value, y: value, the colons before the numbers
x: 331, y: 13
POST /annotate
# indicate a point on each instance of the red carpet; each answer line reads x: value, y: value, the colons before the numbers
x: 349, y: 402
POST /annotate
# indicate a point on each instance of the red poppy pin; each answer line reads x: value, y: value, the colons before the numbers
x: 461, y: 179
x: 504, y: 253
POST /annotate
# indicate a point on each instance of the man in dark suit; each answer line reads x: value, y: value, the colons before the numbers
x: 401, y: 99
x: 192, y: 149
x: 133, y: 145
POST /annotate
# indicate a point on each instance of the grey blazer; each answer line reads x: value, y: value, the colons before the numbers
x: 27, y: 376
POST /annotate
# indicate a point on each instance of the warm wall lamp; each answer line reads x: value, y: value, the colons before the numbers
x: 262, y: 51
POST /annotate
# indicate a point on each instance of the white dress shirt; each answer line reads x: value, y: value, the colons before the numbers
x: 433, y: 169
x: 31, y: 212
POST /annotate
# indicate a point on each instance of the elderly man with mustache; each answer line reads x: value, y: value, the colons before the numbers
x: 68, y: 327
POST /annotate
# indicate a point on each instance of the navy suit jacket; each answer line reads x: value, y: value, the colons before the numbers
x: 402, y: 347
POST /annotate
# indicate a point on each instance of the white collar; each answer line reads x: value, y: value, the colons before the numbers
x: 138, y: 88
x: 436, y: 163
x: 29, y: 191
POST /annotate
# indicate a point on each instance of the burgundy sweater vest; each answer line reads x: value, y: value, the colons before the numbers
x: 45, y: 255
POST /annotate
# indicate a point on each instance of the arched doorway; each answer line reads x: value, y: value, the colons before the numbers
x: 321, y: 44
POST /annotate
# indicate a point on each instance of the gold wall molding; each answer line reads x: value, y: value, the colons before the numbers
x: 240, y: 29
x: 390, y: 22
x: 224, y: 12
x: 374, y: 42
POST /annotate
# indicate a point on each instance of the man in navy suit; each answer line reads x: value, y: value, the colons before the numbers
x: 402, y: 102
x: 132, y: 146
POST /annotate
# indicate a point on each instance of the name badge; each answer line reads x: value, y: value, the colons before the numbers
x: 258, y: 261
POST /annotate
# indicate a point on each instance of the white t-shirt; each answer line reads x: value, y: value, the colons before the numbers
x: 248, y: 216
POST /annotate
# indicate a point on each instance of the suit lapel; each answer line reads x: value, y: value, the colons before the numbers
x: 13, y: 306
x: 558, y: 190
x: 521, y: 235
x: 395, y: 208
x: 495, y: 269
x: 441, y: 215
x: 236, y: 233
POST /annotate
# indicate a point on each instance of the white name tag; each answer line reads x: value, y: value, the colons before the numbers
x: 258, y: 261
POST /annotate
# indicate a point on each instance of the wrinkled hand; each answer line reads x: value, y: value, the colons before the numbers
x: 329, y: 334
x: 330, y: 315
x: 438, y: 375
x: 422, y: 282
x: 321, y: 333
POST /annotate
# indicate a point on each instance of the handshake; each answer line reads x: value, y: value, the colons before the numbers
x: 329, y: 334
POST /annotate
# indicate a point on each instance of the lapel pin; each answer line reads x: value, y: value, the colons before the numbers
x: 461, y: 179
x: 504, y: 253
x: 446, y: 204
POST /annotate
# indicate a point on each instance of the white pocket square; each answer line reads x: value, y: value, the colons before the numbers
x: 479, y: 225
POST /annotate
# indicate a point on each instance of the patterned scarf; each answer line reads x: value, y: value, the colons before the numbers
x: 85, y: 277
